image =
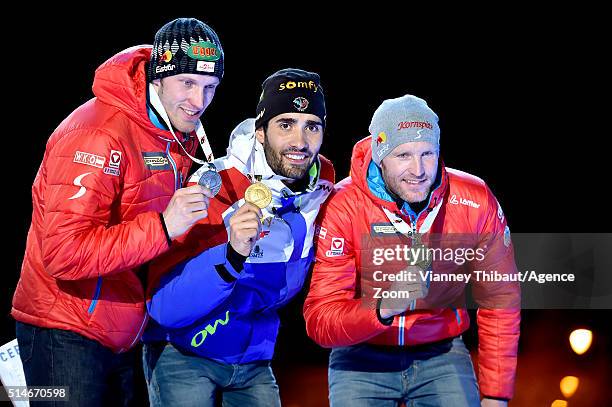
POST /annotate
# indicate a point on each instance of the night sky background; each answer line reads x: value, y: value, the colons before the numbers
x: 518, y: 93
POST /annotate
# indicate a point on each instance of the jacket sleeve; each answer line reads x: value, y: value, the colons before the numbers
x: 83, y: 237
x: 193, y: 288
x: 334, y: 314
x: 498, y: 316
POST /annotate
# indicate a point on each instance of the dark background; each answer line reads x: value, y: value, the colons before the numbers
x: 517, y: 92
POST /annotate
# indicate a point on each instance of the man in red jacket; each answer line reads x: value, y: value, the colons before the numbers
x: 108, y: 198
x: 398, y: 240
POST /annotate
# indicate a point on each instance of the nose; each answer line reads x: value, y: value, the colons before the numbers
x: 198, y: 99
x: 416, y: 167
x: 299, y: 140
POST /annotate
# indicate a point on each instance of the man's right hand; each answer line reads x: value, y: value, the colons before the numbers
x: 416, y: 289
x: 245, y: 226
x: 187, y: 207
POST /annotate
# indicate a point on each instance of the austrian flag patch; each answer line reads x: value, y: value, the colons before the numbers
x: 337, y: 247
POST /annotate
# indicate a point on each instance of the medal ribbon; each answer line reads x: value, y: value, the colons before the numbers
x: 402, y: 227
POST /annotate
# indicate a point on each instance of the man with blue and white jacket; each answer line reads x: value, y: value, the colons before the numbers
x: 213, y: 298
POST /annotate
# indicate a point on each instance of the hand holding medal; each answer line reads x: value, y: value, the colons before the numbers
x: 245, y: 223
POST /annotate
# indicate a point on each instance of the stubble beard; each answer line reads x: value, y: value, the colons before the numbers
x: 275, y: 161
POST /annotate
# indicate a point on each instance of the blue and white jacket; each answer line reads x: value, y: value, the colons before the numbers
x: 205, y: 306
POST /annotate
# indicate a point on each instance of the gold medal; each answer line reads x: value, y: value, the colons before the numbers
x: 258, y: 194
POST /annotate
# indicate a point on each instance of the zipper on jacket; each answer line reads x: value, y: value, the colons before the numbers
x: 413, y: 224
x: 414, y: 217
x: 457, y: 315
x: 176, y: 178
x: 94, y: 300
x: 402, y: 322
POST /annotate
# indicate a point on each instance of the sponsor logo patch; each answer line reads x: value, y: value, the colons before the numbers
x: 111, y: 171
x: 292, y: 85
x: 382, y: 229
x: 166, y: 56
x: 300, y: 104
x: 115, y: 159
x: 456, y: 201
x: 337, y: 247
x: 383, y: 150
x: 257, y: 253
x: 260, y: 115
x: 156, y: 161
x: 159, y: 69
x: 89, y: 159
x: 77, y: 182
x: 415, y: 124
x: 205, y: 66
x: 199, y: 338
x: 321, y: 231
x: 204, y: 51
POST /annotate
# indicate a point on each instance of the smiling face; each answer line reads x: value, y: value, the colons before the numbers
x: 410, y: 170
x: 291, y: 143
x: 185, y: 97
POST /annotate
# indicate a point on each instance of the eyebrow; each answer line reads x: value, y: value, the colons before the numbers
x: 294, y: 121
x: 286, y: 120
x: 433, y: 150
x: 187, y: 78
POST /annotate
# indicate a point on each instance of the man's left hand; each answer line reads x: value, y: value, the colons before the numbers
x: 493, y: 403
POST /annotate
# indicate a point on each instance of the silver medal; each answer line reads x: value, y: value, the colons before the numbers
x: 211, y: 180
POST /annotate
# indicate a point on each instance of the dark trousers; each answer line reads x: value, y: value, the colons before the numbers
x: 94, y: 375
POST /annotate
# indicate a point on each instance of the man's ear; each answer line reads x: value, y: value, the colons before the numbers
x: 156, y: 83
x: 260, y: 135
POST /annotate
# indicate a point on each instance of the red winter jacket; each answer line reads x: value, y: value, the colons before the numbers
x: 335, y: 314
x: 96, y: 211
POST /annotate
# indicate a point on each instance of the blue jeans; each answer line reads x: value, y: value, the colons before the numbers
x: 439, y: 374
x: 180, y: 379
x: 94, y: 375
